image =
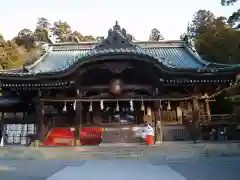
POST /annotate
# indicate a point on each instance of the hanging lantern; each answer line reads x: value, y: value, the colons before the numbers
x: 78, y: 92
x: 131, y: 106
x: 179, y: 114
x: 179, y: 111
x: 142, y: 106
x: 117, y: 107
x: 65, y: 107
x: 101, y: 105
x: 74, y: 105
x: 39, y: 93
x: 149, y: 111
x: 169, y: 106
x: 90, y: 107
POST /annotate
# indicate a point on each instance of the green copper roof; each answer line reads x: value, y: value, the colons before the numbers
x: 173, y: 57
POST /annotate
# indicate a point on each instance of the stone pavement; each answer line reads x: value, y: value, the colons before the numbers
x: 118, y: 169
x: 170, y: 161
x: 167, y: 151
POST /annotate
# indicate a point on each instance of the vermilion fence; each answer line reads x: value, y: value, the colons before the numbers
x: 66, y: 137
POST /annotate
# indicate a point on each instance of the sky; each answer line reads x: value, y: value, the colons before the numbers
x: 95, y: 17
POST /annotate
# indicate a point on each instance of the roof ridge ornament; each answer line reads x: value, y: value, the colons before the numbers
x: 116, y: 39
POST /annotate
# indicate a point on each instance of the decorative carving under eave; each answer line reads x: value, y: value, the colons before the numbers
x: 117, y: 38
x: 115, y: 68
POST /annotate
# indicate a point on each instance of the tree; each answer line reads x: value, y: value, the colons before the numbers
x: 1, y: 38
x: 155, y: 35
x: 184, y: 37
x: 201, y: 20
x: 26, y: 38
x: 78, y: 37
x: 43, y: 23
x: 219, y: 43
x: 74, y: 37
x: 62, y: 30
x: 89, y: 38
x: 11, y: 55
x: 214, y: 40
x: 42, y: 29
x: 23, y: 48
x: 235, y: 17
x: 228, y: 2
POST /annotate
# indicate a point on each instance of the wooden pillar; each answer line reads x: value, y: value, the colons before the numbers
x: 196, y: 120
x: 78, y: 122
x: 139, y: 114
x: 78, y: 119
x: 207, y: 109
x: 40, y: 134
x: 88, y: 118
x: 2, y: 126
x: 158, y: 122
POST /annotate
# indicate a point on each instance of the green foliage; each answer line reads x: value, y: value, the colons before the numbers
x: 234, y: 18
x: 24, y: 48
x: 219, y: 43
x: 11, y: 55
x: 26, y: 38
x: 201, y: 20
x: 214, y: 39
x: 1, y: 39
x: 42, y: 30
x: 62, y: 30
x: 41, y: 35
x: 228, y: 2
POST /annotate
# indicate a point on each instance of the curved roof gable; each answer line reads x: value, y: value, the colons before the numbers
x: 171, y: 54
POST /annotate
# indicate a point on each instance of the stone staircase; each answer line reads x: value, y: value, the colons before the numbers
x: 78, y: 153
x: 169, y: 151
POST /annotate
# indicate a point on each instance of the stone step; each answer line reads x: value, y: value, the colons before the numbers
x: 124, y: 145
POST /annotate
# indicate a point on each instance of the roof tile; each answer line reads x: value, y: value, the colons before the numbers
x: 177, y: 57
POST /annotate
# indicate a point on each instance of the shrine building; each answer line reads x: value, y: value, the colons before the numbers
x: 106, y: 90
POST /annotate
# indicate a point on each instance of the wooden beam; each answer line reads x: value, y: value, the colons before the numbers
x: 125, y: 87
x: 72, y: 99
